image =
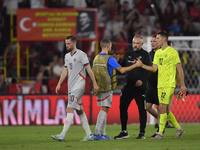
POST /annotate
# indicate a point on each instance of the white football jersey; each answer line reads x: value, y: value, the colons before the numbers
x: 76, y: 70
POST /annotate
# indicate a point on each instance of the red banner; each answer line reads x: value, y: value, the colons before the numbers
x: 56, y: 24
x: 51, y: 110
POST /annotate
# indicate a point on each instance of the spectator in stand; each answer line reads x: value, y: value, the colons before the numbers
x: 102, y: 18
x: 57, y: 69
x: 182, y: 6
x: 67, y: 3
x: 8, y: 5
x: 102, y: 14
x: 38, y: 87
x: 134, y: 26
x: 114, y: 8
x: 3, y: 50
x: 157, y: 28
x: 195, y: 15
x: 24, y: 4
x: 171, y: 32
x: 175, y: 26
x: 169, y: 10
x: 195, y: 11
x: 130, y: 3
x: 185, y: 20
x: 140, y: 5
x: 79, y: 4
x: 36, y: 55
x: 114, y: 27
x: 2, y: 84
x: 120, y: 45
x: 37, y: 4
x: 190, y: 31
x: 125, y: 10
x: 54, y: 3
x: 51, y: 65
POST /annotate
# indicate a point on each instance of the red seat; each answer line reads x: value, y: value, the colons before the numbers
x: 53, y: 83
x: 15, y: 89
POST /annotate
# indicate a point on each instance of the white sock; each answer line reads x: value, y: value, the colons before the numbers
x: 103, y: 127
x: 179, y: 128
x: 68, y: 122
x: 84, y: 122
x: 100, y: 119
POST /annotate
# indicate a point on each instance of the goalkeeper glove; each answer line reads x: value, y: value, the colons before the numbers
x: 182, y: 95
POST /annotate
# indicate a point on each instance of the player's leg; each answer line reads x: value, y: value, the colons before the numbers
x: 103, y: 127
x: 157, y: 120
x: 125, y: 100
x: 173, y: 121
x: 104, y: 99
x: 152, y: 98
x: 83, y: 118
x: 71, y: 106
x: 100, y: 121
x: 152, y: 110
x: 85, y: 125
x: 141, y: 103
x: 165, y: 96
x: 67, y: 124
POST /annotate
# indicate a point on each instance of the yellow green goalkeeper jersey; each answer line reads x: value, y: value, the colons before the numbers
x: 166, y: 61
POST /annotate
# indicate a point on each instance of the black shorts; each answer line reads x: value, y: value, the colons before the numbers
x: 152, y: 96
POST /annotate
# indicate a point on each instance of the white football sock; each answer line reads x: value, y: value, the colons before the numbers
x: 84, y: 122
x: 100, y: 120
x: 68, y: 122
x: 103, y: 127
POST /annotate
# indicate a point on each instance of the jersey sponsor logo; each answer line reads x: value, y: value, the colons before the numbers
x: 160, y: 61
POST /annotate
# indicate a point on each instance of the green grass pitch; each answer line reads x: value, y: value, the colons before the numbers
x: 39, y: 138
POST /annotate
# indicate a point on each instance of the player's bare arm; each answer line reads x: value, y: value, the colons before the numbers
x: 125, y: 69
x: 181, y: 75
x: 152, y: 68
x: 116, y: 57
x: 63, y: 76
x: 91, y: 74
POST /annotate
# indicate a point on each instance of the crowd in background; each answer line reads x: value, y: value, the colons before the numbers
x: 118, y: 20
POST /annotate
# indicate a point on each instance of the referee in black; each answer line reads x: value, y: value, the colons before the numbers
x: 134, y: 87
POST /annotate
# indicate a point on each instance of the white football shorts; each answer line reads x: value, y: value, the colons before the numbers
x: 105, y: 99
x: 75, y: 99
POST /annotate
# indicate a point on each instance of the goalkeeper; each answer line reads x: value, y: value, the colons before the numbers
x: 166, y: 60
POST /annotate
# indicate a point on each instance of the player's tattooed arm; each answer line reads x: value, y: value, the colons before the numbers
x: 119, y: 68
x: 125, y: 69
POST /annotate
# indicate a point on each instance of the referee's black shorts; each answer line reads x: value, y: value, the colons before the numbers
x: 152, y: 96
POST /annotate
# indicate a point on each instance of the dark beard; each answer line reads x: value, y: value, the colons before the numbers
x: 136, y: 49
x: 69, y: 50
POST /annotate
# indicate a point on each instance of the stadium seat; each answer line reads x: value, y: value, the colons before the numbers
x: 15, y: 89
x: 52, y: 83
